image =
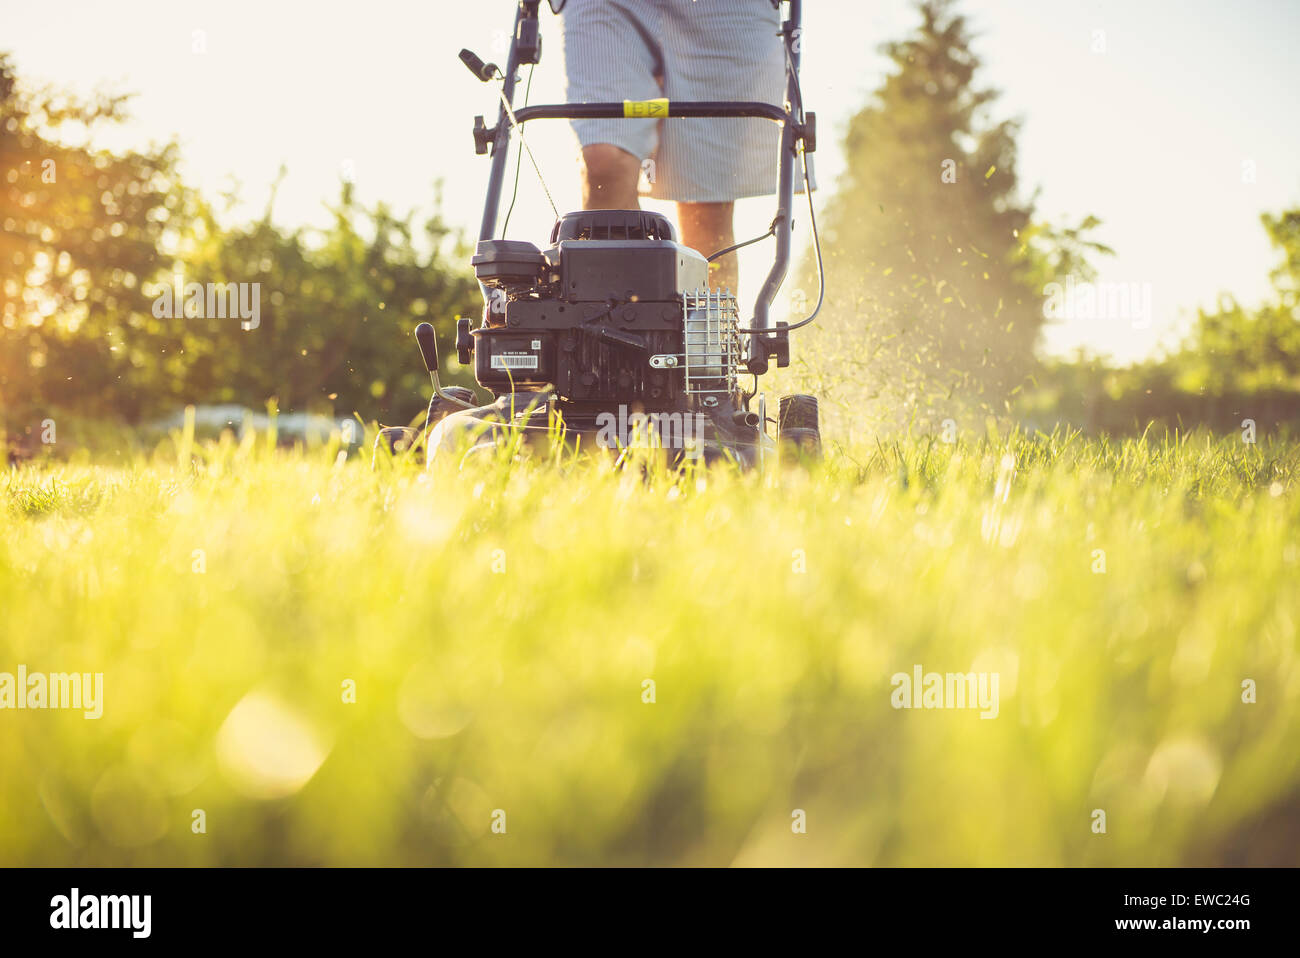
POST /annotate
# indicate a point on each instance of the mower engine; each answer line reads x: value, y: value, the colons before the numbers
x: 615, y: 318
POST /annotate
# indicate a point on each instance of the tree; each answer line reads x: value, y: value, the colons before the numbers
x: 337, y: 310
x: 82, y: 228
x: 934, y: 262
x: 1236, y: 349
x: 94, y: 243
x: 1235, y: 362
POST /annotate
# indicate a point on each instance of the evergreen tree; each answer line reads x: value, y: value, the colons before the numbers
x: 932, y: 276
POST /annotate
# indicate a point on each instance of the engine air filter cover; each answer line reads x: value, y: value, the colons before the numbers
x: 613, y: 225
x: 499, y: 262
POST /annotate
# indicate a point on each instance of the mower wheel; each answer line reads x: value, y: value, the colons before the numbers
x: 798, y: 411
x: 395, y: 441
x: 440, y: 408
x: 798, y: 430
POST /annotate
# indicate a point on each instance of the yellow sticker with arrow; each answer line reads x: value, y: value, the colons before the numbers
x: 646, y: 108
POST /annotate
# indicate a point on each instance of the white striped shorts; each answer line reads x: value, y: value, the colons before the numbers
x: 617, y: 50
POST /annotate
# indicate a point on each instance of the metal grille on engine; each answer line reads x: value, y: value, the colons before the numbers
x: 712, y: 343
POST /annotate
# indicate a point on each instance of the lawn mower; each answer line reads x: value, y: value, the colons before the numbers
x: 611, y: 336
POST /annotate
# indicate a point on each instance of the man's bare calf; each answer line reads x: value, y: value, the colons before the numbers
x: 707, y: 227
x: 609, y: 176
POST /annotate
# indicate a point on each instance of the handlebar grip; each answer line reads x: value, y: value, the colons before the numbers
x: 476, y: 66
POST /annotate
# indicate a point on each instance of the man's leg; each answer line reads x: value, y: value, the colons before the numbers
x: 707, y: 228
x: 609, y: 177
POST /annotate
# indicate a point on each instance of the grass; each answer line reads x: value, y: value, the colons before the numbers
x: 497, y: 626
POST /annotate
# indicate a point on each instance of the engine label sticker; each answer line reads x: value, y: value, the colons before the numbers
x: 516, y: 361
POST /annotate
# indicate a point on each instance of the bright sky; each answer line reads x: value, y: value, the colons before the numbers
x: 1152, y: 135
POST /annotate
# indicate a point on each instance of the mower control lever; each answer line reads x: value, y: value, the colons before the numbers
x: 427, y: 340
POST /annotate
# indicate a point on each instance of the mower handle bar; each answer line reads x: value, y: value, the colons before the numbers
x: 641, y: 110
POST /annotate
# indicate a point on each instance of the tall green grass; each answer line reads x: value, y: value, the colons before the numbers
x: 499, y: 625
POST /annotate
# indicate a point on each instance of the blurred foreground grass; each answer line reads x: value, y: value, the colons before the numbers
x: 499, y: 626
